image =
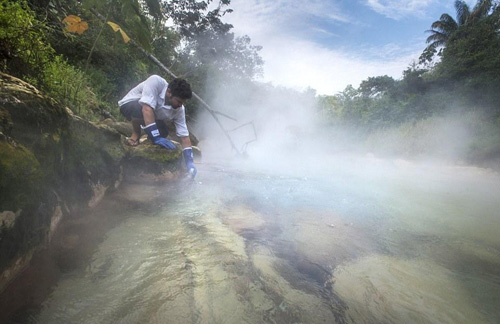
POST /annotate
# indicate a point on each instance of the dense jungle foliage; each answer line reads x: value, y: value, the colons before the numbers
x: 90, y: 70
x: 459, y: 69
x: 448, y: 101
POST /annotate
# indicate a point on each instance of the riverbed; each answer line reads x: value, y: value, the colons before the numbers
x: 359, y: 240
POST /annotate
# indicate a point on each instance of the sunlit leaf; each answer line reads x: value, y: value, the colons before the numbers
x: 74, y: 24
x: 72, y: 19
x: 126, y: 39
x: 116, y: 28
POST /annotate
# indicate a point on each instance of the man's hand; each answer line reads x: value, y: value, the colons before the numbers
x: 165, y: 143
x: 188, y: 159
x: 154, y: 136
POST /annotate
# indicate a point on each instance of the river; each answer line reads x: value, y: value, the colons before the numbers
x: 355, y: 240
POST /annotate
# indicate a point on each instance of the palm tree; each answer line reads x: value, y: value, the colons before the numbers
x: 442, y: 29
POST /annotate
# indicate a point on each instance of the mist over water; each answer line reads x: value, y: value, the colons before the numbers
x: 291, y: 136
x: 436, y: 233
x: 285, y: 122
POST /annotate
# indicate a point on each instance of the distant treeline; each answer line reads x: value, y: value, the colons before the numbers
x: 459, y: 70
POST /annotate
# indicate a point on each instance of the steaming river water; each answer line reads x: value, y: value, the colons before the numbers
x: 371, y: 241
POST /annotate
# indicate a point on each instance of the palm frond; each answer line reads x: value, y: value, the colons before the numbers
x: 437, y: 39
x: 481, y: 9
x: 463, y: 11
x: 445, y: 25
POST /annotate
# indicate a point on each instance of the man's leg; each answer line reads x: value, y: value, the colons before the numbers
x: 162, y: 127
x: 133, y: 112
x: 136, y: 129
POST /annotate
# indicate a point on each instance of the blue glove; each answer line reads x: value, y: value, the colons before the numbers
x: 154, y: 136
x: 188, y: 159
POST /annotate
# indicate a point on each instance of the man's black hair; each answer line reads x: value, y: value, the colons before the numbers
x: 180, y: 88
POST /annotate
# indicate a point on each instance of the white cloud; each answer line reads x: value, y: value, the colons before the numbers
x: 300, y: 63
x: 397, y: 9
x: 317, y: 8
x: 283, y: 14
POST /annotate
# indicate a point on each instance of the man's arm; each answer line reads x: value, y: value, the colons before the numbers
x: 152, y: 129
x: 185, y: 142
x: 187, y: 151
x: 148, y: 114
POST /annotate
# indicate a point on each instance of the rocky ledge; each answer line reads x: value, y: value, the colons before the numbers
x: 54, y: 164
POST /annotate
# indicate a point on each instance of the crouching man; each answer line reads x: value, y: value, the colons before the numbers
x: 150, y: 104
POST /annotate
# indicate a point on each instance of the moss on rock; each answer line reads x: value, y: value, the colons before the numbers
x: 5, y: 121
x: 148, y: 158
x: 20, y: 177
x: 124, y: 128
x: 24, y: 206
x: 48, y: 157
x: 154, y: 153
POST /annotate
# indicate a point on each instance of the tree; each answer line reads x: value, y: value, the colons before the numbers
x: 472, y: 50
x: 198, y: 46
x: 328, y: 108
x: 209, y: 45
x: 193, y: 18
x: 377, y: 86
x: 471, y: 64
x: 442, y: 29
x: 23, y: 47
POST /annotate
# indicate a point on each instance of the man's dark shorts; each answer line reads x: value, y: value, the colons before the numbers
x: 133, y: 109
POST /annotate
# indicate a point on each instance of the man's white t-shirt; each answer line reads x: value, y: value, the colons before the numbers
x: 152, y: 93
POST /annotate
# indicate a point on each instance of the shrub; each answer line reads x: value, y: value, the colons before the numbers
x: 24, y: 51
x: 71, y: 87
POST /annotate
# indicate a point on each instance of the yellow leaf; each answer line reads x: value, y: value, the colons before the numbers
x: 72, y: 19
x: 71, y: 28
x: 74, y: 24
x: 116, y: 28
x: 126, y: 39
x: 83, y: 26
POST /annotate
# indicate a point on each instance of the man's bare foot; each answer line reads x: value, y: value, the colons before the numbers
x: 132, y: 142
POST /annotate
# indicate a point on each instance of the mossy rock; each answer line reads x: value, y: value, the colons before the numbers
x: 73, y: 153
x: 153, y: 153
x: 48, y: 157
x: 20, y: 177
x: 148, y: 158
x: 124, y: 128
x: 24, y: 203
x: 31, y: 113
x: 5, y: 121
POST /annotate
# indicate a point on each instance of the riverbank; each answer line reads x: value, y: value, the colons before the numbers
x: 55, y: 165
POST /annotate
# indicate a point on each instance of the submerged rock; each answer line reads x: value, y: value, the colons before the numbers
x: 241, y: 219
x: 386, y: 289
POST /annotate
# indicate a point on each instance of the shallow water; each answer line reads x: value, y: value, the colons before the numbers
x: 372, y: 241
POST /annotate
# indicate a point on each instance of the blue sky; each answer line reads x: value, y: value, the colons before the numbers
x: 328, y: 44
